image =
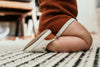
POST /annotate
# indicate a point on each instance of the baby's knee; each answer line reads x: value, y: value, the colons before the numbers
x: 89, y: 41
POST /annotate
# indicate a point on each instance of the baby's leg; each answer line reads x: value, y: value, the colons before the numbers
x: 74, y: 38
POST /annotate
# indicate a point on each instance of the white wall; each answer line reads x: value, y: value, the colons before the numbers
x: 87, y: 14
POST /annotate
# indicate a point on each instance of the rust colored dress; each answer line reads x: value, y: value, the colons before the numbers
x: 55, y: 13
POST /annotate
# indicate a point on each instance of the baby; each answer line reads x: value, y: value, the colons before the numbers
x: 61, y: 31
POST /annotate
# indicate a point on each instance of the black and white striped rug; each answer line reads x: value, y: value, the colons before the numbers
x: 11, y: 55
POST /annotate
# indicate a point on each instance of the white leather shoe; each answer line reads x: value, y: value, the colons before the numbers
x: 41, y: 41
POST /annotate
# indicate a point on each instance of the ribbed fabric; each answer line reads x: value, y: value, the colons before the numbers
x: 55, y: 13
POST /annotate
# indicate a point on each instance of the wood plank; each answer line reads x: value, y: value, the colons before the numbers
x: 16, y: 5
x: 12, y: 13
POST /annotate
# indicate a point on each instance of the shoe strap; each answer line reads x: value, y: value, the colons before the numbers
x: 64, y: 27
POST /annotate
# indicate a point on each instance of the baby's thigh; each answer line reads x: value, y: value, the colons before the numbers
x: 78, y: 30
x: 70, y: 44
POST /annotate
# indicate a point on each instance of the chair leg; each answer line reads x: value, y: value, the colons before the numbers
x: 34, y: 18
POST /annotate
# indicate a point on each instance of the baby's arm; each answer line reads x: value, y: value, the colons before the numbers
x: 74, y: 38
